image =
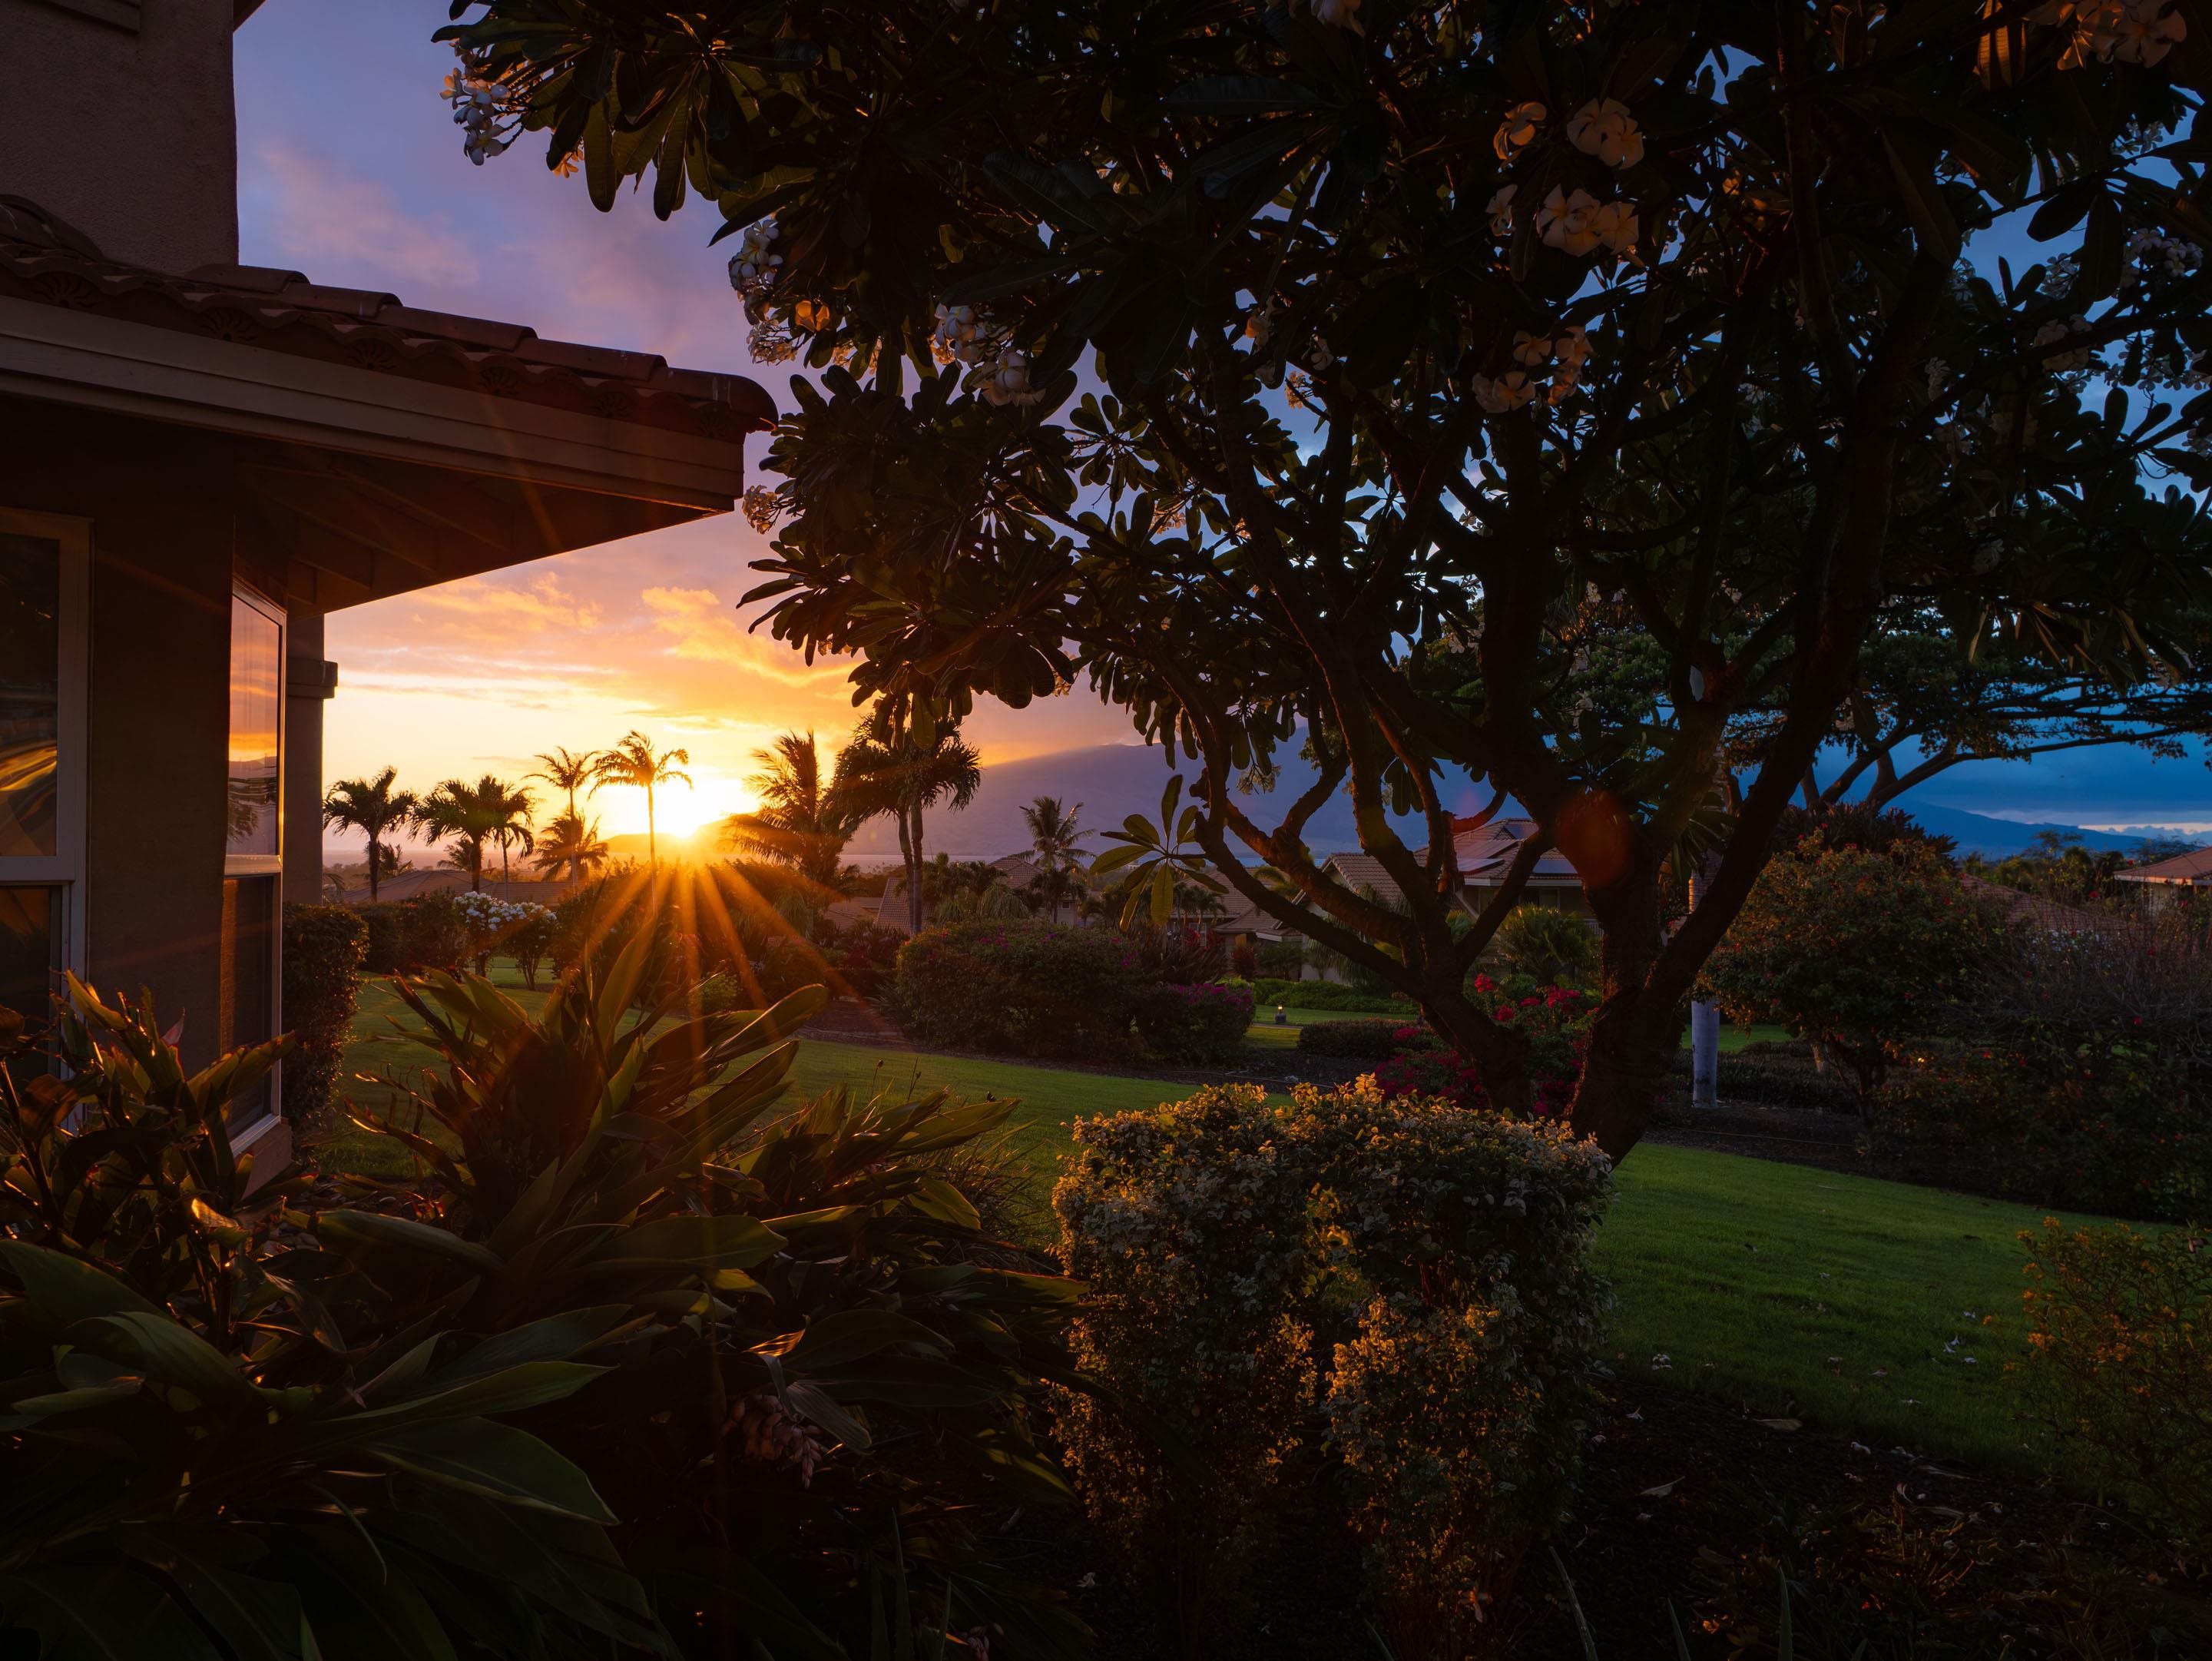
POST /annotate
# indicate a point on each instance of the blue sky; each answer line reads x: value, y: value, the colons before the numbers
x: 351, y: 171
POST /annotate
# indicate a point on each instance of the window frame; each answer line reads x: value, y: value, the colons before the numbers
x: 65, y: 867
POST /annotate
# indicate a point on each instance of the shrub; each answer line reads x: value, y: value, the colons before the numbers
x: 2082, y: 1076
x: 1328, y: 994
x: 1021, y: 988
x: 1244, y: 959
x: 1852, y: 949
x: 788, y: 962
x: 1367, y: 1040
x: 1276, y: 960
x: 2119, y: 1333
x: 1177, y: 955
x: 868, y: 957
x: 1206, y: 1022
x: 323, y: 950
x: 1376, y: 1258
x: 494, y: 925
x: 1552, y: 948
x: 406, y: 936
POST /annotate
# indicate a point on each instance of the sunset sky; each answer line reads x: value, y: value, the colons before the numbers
x: 351, y: 171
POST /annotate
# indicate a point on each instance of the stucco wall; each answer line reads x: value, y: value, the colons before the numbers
x: 161, y: 504
x: 130, y: 136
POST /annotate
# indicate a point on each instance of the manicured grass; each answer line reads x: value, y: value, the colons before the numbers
x: 1835, y: 1299
x: 1829, y: 1298
x: 1264, y: 1031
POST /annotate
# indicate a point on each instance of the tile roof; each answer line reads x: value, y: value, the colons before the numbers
x: 2195, y: 866
x: 44, y: 259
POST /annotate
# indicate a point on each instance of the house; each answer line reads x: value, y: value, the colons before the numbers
x: 2168, y: 880
x: 201, y: 460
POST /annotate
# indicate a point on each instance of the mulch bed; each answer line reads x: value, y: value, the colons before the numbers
x: 1693, y: 1503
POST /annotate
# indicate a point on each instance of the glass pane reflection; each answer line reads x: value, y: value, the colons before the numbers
x: 256, y: 699
x: 30, y: 684
x: 28, y: 935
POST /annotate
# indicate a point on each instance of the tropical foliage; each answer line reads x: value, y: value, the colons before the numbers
x: 896, y: 767
x: 573, y: 843
x: 633, y: 763
x: 802, y: 820
x: 1019, y: 987
x: 475, y: 818
x: 323, y: 948
x: 376, y: 809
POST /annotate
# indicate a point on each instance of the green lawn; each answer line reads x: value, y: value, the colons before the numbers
x: 1264, y: 1031
x: 1831, y: 1298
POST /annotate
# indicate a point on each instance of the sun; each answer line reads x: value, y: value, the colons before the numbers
x: 677, y: 813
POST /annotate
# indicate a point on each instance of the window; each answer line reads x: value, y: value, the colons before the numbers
x: 44, y: 577
x: 247, y: 944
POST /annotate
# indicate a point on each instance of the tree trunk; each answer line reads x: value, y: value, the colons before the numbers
x: 651, y: 845
x: 373, y: 846
x: 914, y: 876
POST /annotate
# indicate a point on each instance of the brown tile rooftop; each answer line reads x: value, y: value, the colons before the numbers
x: 44, y: 259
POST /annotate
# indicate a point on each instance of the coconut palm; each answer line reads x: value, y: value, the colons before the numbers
x: 567, y: 771
x: 573, y: 842
x: 636, y: 762
x: 802, y: 822
x: 475, y: 817
x: 1054, y: 836
x: 887, y: 769
x: 373, y: 807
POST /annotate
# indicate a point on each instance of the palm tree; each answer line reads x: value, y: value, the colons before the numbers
x: 802, y: 822
x: 1053, y: 834
x: 573, y: 842
x: 634, y: 762
x: 476, y: 816
x: 374, y: 808
x: 886, y: 769
x: 565, y: 770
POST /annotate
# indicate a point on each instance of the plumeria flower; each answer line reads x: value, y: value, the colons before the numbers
x: 1604, y: 128
x: 1563, y: 222
x: 1532, y: 349
x: 2139, y: 32
x: 1501, y: 209
x: 1615, y: 224
x: 1008, y: 382
x: 2054, y: 331
x: 752, y: 268
x: 1519, y: 129
x: 1509, y: 392
x: 1572, y: 346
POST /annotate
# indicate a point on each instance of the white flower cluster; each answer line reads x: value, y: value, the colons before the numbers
x: 476, y: 112
x: 1574, y: 221
x: 1604, y: 128
x: 961, y: 336
x: 753, y: 267
x: 1581, y: 224
x: 2151, y: 254
x: 1566, y: 353
x: 2054, y: 332
x: 489, y: 917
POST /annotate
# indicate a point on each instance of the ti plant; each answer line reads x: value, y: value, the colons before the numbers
x: 203, y: 1454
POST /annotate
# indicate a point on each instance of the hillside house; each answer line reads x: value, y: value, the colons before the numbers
x: 205, y: 460
x: 2171, y: 880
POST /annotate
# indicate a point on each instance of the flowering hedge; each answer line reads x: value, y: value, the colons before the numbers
x: 1019, y: 987
x: 1418, y: 1272
x: 1557, y: 1021
x: 1203, y: 1022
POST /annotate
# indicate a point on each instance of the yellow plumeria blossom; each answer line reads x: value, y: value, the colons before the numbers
x: 1519, y: 129
x: 1509, y: 392
x: 1604, y: 128
x: 1531, y: 350
x: 1564, y: 222
x: 1615, y: 225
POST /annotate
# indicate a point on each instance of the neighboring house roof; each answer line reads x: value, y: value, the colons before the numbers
x: 1485, y: 852
x: 43, y: 259
x: 2193, y: 867
x: 2038, y: 912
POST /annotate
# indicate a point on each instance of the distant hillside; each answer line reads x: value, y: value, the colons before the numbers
x: 1112, y: 780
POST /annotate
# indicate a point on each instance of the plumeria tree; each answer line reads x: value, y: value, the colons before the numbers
x: 1340, y: 373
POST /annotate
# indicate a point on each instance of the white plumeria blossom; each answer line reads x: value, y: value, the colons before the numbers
x: 2055, y: 332
x: 1604, y: 128
x: 1501, y: 209
x: 1564, y: 222
x: 1008, y: 380
x: 752, y: 268
x: 1616, y: 226
x: 1509, y: 392
x: 1519, y: 129
x: 1531, y: 351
